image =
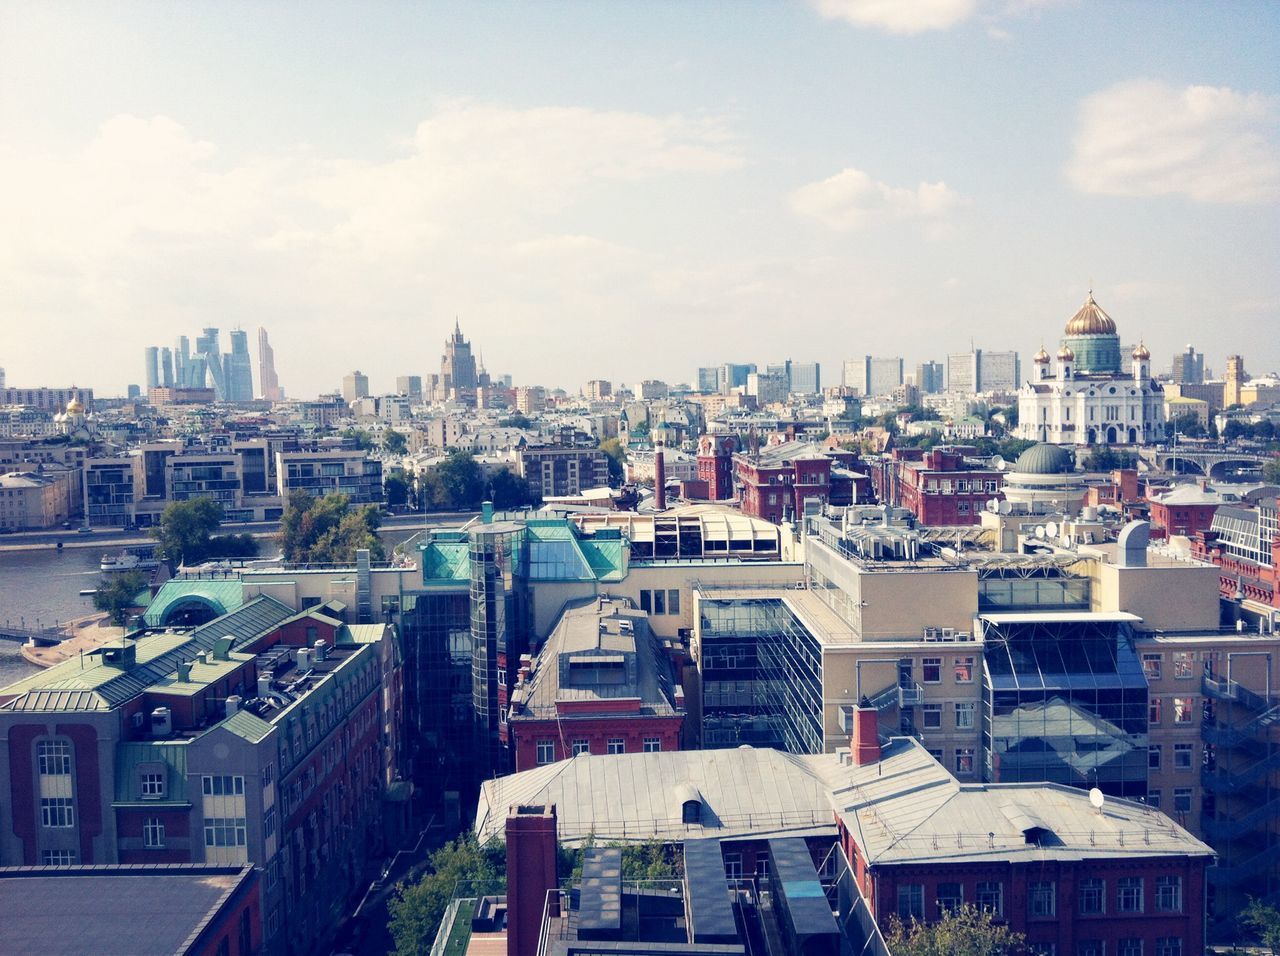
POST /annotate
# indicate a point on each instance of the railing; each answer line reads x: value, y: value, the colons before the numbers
x: 1231, y: 875
x: 1226, y: 689
x: 1231, y: 829
x: 911, y: 696
x: 885, y: 698
x: 1220, y: 780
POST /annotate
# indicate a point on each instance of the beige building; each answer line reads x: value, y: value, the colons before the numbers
x: 33, y: 500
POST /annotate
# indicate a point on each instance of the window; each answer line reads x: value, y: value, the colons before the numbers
x: 1153, y: 799
x: 1129, y: 897
x: 733, y: 866
x: 616, y: 745
x: 990, y: 898
x: 546, y: 751
x: 1182, y: 664
x: 932, y: 716
x: 964, y: 670
x: 57, y: 857
x: 580, y: 746
x: 652, y: 745
x: 1091, y: 947
x: 57, y: 812
x: 1182, y: 756
x: 223, y: 786
x: 937, y: 754
x: 225, y: 831
x: 153, y: 785
x: 673, y: 601
x: 932, y: 667
x: 153, y: 833
x: 1092, y: 896
x: 762, y: 867
x: 1153, y: 757
x: 911, y: 901
x: 1183, y: 710
x: 1042, y: 899
x: 1153, y: 711
x: 1182, y: 799
x: 1151, y: 665
x: 1129, y: 946
x: 1168, y: 894
x: 646, y: 601
x: 1169, y: 946
x: 964, y: 760
x: 950, y: 896
x: 659, y: 602
x: 269, y: 823
x: 54, y: 757
x: 964, y: 715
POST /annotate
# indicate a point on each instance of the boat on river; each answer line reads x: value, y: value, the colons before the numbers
x: 138, y: 558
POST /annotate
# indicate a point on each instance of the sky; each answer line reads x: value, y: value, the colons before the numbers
x: 632, y: 190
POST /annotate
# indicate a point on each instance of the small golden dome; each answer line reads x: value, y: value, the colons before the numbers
x: 1091, y: 320
x: 75, y: 406
x: 1142, y: 353
x: 1066, y: 355
x: 1041, y: 357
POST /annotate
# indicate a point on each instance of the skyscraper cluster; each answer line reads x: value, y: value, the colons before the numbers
x: 229, y: 374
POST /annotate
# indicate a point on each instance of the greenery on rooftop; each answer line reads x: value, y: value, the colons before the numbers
x: 462, y: 867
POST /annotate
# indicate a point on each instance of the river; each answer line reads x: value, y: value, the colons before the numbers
x: 43, y: 587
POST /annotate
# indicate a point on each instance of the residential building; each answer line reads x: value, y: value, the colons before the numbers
x: 1234, y: 379
x: 409, y: 386
x: 946, y: 485
x: 554, y: 472
x: 320, y: 473
x: 767, y: 389
x: 49, y: 400
x: 785, y: 480
x: 265, y: 737
x: 530, y: 399
x: 978, y: 371
x: 599, y: 390
x: 930, y: 378
x: 602, y: 683
x: 35, y: 499
x: 652, y: 389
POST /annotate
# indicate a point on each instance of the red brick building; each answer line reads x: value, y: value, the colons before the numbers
x: 601, y: 684
x: 947, y: 485
x: 777, y: 483
x: 1185, y: 510
x: 715, y: 465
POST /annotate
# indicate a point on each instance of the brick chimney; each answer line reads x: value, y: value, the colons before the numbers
x: 659, y: 478
x: 866, y: 735
x: 531, y: 873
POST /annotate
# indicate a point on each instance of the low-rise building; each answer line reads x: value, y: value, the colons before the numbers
x: 320, y: 473
x: 947, y: 485
x: 32, y: 500
x: 786, y: 480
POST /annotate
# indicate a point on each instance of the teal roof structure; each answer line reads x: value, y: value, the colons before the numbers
x: 1044, y: 459
x: 222, y: 595
x: 249, y: 726
x: 132, y: 756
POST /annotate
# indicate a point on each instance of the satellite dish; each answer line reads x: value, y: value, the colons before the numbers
x: 1040, y: 531
x: 1097, y: 799
x: 1006, y: 508
x: 1051, y: 529
x: 999, y: 462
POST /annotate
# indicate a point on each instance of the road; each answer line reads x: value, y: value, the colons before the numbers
x: 39, y: 540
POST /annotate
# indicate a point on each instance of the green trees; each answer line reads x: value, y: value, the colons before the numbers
x: 1271, y: 471
x: 462, y: 866
x: 965, y: 931
x: 396, y: 487
x: 456, y: 484
x: 328, y: 530
x: 509, y: 492
x: 363, y: 439
x: 1108, y: 459
x: 394, y: 442
x: 1262, y: 921
x: 617, y: 458
x: 116, y: 593
x: 185, y: 534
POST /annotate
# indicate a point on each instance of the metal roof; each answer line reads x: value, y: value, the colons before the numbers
x: 222, y: 594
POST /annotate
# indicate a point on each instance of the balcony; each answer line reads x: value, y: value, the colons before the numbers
x: 1228, y: 691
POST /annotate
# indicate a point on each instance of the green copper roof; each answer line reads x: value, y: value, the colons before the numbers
x: 1044, y: 459
x: 446, y: 561
x: 223, y: 595
x: 249, y: 726
x: 133, y: 756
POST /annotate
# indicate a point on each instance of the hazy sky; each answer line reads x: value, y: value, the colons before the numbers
x: 627, y: 190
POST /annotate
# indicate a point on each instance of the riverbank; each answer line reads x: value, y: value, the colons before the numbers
x: 87, y: 634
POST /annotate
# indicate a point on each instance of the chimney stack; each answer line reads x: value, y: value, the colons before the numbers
x: 659, y: 478
x: 531, y: 874
x: 866, y: 734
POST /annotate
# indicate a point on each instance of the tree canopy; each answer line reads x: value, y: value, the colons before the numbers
x: 1271, y: 470
x: 394, y: 442
x: 116, y: 593
x: 185, y: 534
x: 397, y: 488
x: 1108, y: 459
x: 964, y: 931
x: 328, y: 530
x: 363, y: 439
x: 617, y: 458
x: 1263, y: 922
x: 462, y: 866
x: 456, y: 484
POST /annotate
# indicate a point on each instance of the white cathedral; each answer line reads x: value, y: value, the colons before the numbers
x: 1087, y: 399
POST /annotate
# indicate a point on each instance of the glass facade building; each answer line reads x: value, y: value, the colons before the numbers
x: 1064, y: 700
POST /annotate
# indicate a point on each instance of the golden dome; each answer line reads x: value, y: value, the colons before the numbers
x: 75, y: 406
x: 1142, y: 353
x: 1041, y: 357
x: 1091, y: 320
x: 1066, y: 355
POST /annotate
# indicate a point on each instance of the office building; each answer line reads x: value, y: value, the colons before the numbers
x: 238, y: 367
x: 733, y: 376
x: 458, y: 371
x: 1235, y: 378
x: 1188, y: 367
x: 709, y: 379
x: 151, y: 366
x: 929, y: 378
x: 767, y: 389
x: 409, y: 386
x: 210, y: 352
x: 1089, y: 400
x: 787, y: 480
x: 166, y: 367
x: 805, y: 378
x: 873, y: 376
x: 268, y: 381
x: 978, y: 371
x: 355, y: 385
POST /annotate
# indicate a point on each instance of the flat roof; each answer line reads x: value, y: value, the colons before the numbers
x: 94, y: 910
x: 1060, y: 617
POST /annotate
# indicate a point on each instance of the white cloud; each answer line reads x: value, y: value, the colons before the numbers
x: 851, y: 199
x: 898, y: 16
x: 485, y: 210
x: 1211, y: 144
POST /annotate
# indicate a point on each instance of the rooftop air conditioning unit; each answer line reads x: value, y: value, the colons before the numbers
x: 161, y: 722
x: 949, y: 634
x: 964, y: 636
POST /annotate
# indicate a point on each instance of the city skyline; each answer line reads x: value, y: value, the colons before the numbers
x: 938, y: 173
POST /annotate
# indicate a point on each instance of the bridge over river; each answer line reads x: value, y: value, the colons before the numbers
x: 1210, y: 462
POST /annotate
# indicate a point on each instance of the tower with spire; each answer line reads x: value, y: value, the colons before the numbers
x: 458, y: 375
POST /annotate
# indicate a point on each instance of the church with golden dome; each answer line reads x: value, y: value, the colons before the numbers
x: 1085, y: 397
